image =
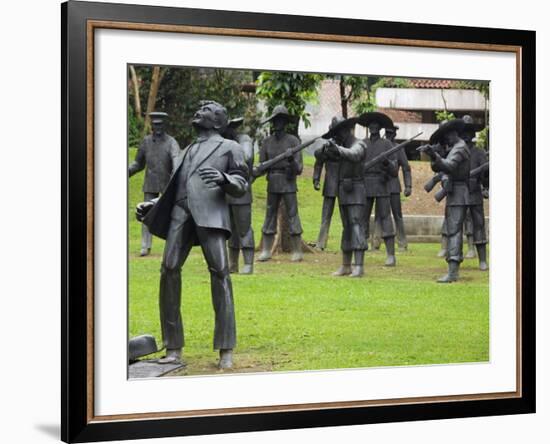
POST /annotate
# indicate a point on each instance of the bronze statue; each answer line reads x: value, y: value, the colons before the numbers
x: 477, y: 184
x: 377, y: 179
x: 395, y: 195
x: 281, y: 183
x: 350, y: 151
x: 455, y: 169
x: 240, y: 208
x: 331, y: 164
x: 193, y: 210
x: 158, y: 154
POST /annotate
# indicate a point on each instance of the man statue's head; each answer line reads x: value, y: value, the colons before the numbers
x: 374, y: 128
x: 157, y: 122
x: 210, y: 115
x: 390, y: 133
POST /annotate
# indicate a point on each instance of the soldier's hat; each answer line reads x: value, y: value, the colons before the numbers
x: 449, y: 125
x: 337, y: 123
x: 279, y: 110
x: 236, y: 122
x: 470, y: 125
x: 157, y: 116
x: 384, y: 120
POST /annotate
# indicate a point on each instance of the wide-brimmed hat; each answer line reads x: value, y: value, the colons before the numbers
x: 470, y: 125
x: 337, y: 123
x: 236, y: 122
x: 450, y: 125
x: 384, y: 120
x: 157, y: 116
x: 279, y: 110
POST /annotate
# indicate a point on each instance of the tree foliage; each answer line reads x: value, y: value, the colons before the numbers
x: 181, y: 90
x: 294, y: 90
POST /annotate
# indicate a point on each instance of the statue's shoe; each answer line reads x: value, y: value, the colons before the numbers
x: 390, y: 261
x: 358, y: 271
x: 470, y: 254
x: 297, y: 256
x: 447, y: 279
x: 145, y: 252
x: 247, y: 269
x: 483, y: 266
x: 344, y: 270
x: 226, y: 359
x: 172, y: 357
x: 264, y: 256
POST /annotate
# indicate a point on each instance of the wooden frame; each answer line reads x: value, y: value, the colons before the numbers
x: 79, y: 21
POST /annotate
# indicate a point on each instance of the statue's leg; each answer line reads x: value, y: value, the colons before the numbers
x: 326, y: 217
x: 397, y: 212
x: 444, y: 239
x: 269, y: 228
x: 377, y: 234
x: 295, y: 226
x: 388, y: 232
x: 469, y: 229
x: 176, y: 249
x: 368, y: 210
x: 479, y: 236
x: 243, y: 216
x: 234, y: 242
x: 358, y: 242
x: 454, y: 215
x: 146, y: 236
x: 212, y: 242
x: 345, y: 243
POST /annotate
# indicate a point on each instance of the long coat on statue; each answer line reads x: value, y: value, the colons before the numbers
x: 208, y: 206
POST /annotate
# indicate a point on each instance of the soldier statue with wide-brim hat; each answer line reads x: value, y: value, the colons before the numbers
x: 378, y: 177
x: 478, y: 186
x: 281, y: 183
x: 395, y: 194
x: 350, y: 152
x: 158, y: 154
x: 331, y: 163
x: 240, y: 208
x: 456, y: 170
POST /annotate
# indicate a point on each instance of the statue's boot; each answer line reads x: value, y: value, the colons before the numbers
x: 444, y: 244
x: 145, y: 252
x: 226, y: 358
x: 296, y: 248
x: 358, y: 269
x: 248, y: 256
x: 482, y: 254
x: 471, y: 253
x: 390, y: 251
x: 173, y: 356
x: 452, y: 273
x: 401, y: 235
x: 345, y: 268
x: 267, y: 245
x: 233, y: 260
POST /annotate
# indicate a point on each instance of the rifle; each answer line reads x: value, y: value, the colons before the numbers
x: 442, y: 193
x: 382, y: 156
x: 262, y: 167
x: 426, y: 148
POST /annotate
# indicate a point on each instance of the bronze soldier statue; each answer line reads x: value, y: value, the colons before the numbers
x: 456, y: 175
x: 377, y: 179
x: 477, y: 186
x: 351, y: 193
x: 240, y: 208
x: 193, y: 210
x: 331, y: 163
x: 157, y: 154
x: 281, y: 184
x: 395, y: 195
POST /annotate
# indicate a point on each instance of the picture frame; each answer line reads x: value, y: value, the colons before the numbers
x: 80, y: 20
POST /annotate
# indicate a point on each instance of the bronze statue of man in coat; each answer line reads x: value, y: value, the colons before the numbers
x: 193, y: 210
x: 158, y: 154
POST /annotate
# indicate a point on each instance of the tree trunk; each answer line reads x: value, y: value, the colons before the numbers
x: 343, y: 99
x: 137, y: 98
x: 152, y: 99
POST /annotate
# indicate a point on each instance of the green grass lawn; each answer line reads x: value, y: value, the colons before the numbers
x: 298, y: 317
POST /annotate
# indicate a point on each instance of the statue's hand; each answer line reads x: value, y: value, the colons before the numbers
x: 142, y: 209
x: 407, y: 192
x: 211, y: 176
x: 485, y: 193
x: 316, y: 184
